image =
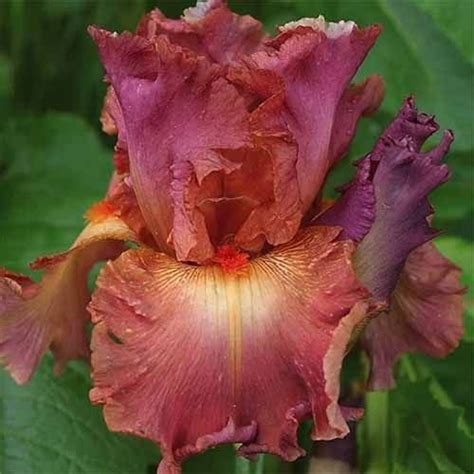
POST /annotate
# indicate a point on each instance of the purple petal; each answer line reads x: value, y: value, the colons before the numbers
x: 386, y: 205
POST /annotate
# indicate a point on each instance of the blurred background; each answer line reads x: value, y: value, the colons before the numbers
x: 54, y: 162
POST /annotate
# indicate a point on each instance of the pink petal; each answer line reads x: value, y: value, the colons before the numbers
x: 425, y: 315
x: 164, y: 92
x: 359, y: 100
x: 317, y: 66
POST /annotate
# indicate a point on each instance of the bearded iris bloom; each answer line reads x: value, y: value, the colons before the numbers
x: 229, y: 319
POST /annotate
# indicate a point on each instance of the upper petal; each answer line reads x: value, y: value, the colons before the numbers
x: 358, y: 100
x: 354, y: 211
x: 317, y: 61
x: 425, y: 315
x: 209, y: 29
x: 193, y: 356
x: 255, y: 139
x: 52, y: 314
x: 164, y: 92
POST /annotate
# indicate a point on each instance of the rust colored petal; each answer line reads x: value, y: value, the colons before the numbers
x: 425, y: 315
x: 109, y: 116
x: 35, y: 317
x: 261, y: 198
x: 209, y: 29
x: 191, y: 357
x: 122, y: 198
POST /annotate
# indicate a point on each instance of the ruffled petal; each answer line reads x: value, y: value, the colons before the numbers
x: 403, y: 180
x: 386, y: 209
x: 52, y: 314
x: 276, y: 216
x: 418, y: 126
x: 239, y: 170
x: 253, y: 197
x: 317, y: 61
x: 191, y: 357
x: 386, y: 206
x: 209, y: 29
x: 425, y: 315
x: 354, y: 211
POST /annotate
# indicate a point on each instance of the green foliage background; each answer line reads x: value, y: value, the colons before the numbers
x: 54, y: 162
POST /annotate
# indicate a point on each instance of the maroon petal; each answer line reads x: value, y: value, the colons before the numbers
x: 358, y: 101
x: 52, y: 314
x: 402, y: 182
x: 418, y: 126
x: 425, y: 315
x: 386, y: 208
x: 163, y: 92
x: 194, y: 356
x: 317, y: 61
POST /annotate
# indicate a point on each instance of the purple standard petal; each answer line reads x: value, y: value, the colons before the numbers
x: 179, y: 113
x: 385, y: 207
x: 354, y: 211
x: 402, y: 181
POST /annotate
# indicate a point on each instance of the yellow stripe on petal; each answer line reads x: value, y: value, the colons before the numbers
x: 191, y: 356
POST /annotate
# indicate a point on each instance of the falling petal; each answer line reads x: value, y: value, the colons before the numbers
x: 191, y: 357
x: 35, y: 317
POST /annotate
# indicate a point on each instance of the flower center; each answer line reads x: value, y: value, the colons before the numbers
x: 231, y: 259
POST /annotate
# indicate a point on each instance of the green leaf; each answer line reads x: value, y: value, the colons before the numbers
x: 50, y: 427
x: 5, y: 84
x: 451, y: 372
x: 415, y: 428
x: 454, y: 21
x: 454, y: 200
x: 53, y: 169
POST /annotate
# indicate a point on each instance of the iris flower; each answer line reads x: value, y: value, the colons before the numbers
x: 229, y: 318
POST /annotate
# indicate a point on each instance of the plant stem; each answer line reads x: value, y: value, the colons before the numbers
x: 377, y: 420
x: 244, y: 466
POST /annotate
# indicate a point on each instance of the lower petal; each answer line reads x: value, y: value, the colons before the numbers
x: 425, y: 315
x: 52, y: 314
x: 191, y: 357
